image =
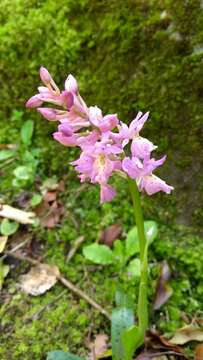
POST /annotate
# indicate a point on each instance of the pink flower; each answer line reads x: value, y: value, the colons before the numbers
x: 107, y: 193
x: 141, y: 171
x: 34, y: 101
x: 102, y: 139
x: 97, y: 164
x: 103, y: 123
x: 71, y: 84
x: 65, y: 135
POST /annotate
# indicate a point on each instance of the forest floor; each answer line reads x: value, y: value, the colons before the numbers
x: 30, y: 326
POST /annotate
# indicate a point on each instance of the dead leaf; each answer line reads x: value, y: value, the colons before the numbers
x: 20, y: 216
x: 3, y: 241
x: 49, y: 213
x: 110, y: 234
x: 153, y: 355
x: 39, y: 279
x: 199, y: 352
x: 186, y: 334
x: 163, y: 290
x: 50, y: 196
x: 98, y: 346
x: 156, y: 341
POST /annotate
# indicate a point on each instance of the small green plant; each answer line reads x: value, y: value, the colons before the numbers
x: 123, y: 251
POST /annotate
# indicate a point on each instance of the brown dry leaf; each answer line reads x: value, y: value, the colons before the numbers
x: 186, y: 334
x: 39, y: 279
x: 110, y: 234
x: 98, y: 346
x: 20, y: 216
x: 152, y: 355
x: 3, y: 241
x: 199, y: 352
x: 163, y: 290
x: 156, y: 341
x: 50, y: 196
x: 49, y: 213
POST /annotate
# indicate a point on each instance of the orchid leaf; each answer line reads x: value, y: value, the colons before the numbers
x: 119, y: 252
x: 61, y: 355
x: 99, y: 254
x: 132, y: 241
x: 131, y: 339
x: 151, y: 230
x: 27, y: 131
x: 122, y: 319
x: 134, y: 268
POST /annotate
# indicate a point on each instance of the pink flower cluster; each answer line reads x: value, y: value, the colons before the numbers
x: 102, y: 139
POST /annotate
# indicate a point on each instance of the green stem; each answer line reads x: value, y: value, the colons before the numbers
x: 142, y: 309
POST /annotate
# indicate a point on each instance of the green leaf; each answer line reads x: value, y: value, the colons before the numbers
x: 119, y: 253
x: 8, y: 227
x: 151, y: 230
x: 134, y: 268
x: 6, y: 154
x: 36, y: 200
x: 99, y: 254
x: 132, y: 241
x: 122, y: 319
x: 27, y: 132
x: 123, y: 299
x: 61, y: 355
x: 22, y: 172
x: 131, y: 339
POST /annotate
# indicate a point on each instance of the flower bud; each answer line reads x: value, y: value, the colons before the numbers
x: 49, y: 114
x: 34, y: 101
x: 71, y: 84
x: 45, y: 76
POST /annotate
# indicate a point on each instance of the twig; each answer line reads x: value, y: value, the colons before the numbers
x: 18, y: 215
x: 152, y: 355
x: 82, y: 294
x: 76, y: 246
x: 15, y: 248
x: 65, y: 282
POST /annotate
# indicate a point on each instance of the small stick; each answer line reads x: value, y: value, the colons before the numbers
x: 82, y: 294
x: 76, y: 246
x: 65, y: 282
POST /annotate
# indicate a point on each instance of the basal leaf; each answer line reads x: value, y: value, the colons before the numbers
x: 62, y: 355
x: 99, y: 254
x: 119, y: 252
x: 132, y: 241
x: 122, y: 319
x: 131, y: 339
x: 27, y: 131
x: 151, y: 230
x: 133, y: 268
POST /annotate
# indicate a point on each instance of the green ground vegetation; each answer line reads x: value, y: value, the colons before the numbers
x: 128, y: 56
